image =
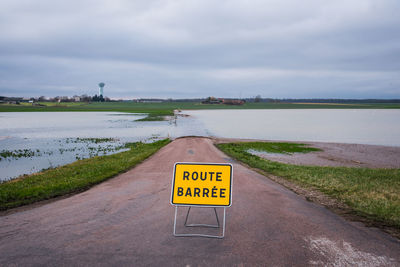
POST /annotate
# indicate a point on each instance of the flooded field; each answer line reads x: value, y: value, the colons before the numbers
x: 32, y: 141
x: 359, y: 126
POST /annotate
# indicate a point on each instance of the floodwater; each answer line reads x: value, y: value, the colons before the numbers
x: 49, y: 139
x: 359, y: 126
x: 41, y: 140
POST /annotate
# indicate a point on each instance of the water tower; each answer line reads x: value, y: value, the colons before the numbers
x: 101, y: 86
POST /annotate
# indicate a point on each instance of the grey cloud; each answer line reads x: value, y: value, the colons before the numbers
x: 199, y: 48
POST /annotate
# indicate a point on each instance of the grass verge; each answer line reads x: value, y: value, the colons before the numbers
x: 74, y: 177
x: 274, y: 147
x: 371, y: 193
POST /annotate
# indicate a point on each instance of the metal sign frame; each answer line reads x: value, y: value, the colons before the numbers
x: 218, y: 225
x: 201, y: 225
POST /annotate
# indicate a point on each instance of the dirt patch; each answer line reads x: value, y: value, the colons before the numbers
x: 337, y: 154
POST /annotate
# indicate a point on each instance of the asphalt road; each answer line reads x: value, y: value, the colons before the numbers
x: 128, y: 220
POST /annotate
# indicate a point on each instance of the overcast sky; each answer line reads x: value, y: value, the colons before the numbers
x: 200, y: 48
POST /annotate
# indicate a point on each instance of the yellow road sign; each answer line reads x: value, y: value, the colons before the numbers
x: 202, y: 184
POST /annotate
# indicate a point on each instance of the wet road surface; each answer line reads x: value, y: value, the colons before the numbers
x: 128, y: 221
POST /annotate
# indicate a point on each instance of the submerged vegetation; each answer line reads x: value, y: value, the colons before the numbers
x: 18, y: 153
x: 90, y: 140
x: 154, y: 117
x: 84, y: 151
x: 371, y: 193
x: 74, y: 177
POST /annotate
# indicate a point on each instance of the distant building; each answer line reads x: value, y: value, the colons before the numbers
x: 213, y: 100
x: 233, y: 102
x: 101, y: 89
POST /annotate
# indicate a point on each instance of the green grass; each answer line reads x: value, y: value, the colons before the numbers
x: 284, y: 148
x: 371, y: 193
x: 74, y: 177
x: 155, y: 117
x: 167, y: 108
x: 155, y: 111
x: 158, y: 111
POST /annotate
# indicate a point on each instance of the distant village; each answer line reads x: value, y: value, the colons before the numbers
x: 95, y: 98
x: 59, y: 99
x: 36, y: 101
x: 99, y: 98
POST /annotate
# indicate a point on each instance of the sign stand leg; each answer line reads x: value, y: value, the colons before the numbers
x: 201, y: 225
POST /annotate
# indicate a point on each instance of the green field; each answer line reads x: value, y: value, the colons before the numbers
x: 154, y: 110
x: 168, y: 107
x: 157, y: 111
x: 74, y: 177
x: 371, y: 193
